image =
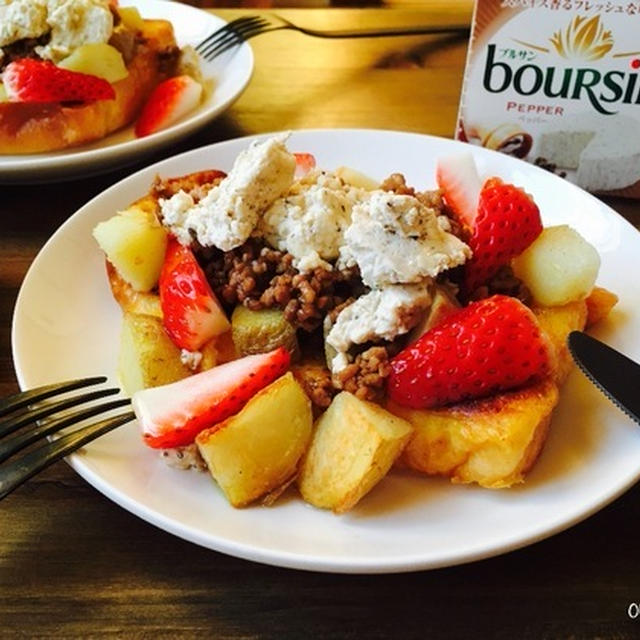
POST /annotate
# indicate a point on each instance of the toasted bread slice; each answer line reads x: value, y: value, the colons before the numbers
x: 34, y: 128
x: 494, y: 441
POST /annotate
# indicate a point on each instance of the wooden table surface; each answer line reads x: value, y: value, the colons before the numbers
x: 73, y: 564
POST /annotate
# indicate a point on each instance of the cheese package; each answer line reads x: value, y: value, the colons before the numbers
x: 555, y: 82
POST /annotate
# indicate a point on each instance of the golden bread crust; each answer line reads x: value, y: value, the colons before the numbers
x: 35, y: 128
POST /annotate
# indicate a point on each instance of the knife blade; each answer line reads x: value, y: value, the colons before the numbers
x: 617, y: 376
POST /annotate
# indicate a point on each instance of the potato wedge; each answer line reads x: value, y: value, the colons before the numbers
x: 492, y: 442
x: 354, y: 445
x: 258, y: 450
x: 134, y: 241
x: 147, y: 356
x: 262, y: 331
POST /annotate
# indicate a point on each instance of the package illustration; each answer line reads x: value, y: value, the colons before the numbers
x: 555, y: 82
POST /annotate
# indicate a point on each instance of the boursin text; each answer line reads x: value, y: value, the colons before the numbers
x: 603, y: 90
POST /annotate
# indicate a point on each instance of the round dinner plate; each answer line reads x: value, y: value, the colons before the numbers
x: 66, y: 325
x: 229, y: 75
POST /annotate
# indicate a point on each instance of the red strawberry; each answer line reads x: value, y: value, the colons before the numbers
x: 191, y: 312
x: 29, y: 80
x: 174, y: 414
x: 508, y: 221
x: 168, y: 102
x: 491, y: 345
x: 458, y: 178
x: 304, y: 163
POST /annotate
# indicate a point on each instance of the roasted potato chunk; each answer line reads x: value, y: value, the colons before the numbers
x: 354, y: 445
x: 493, y: 441
x: 147, y: 356
x: 255, y: 452
x: 262, y: 331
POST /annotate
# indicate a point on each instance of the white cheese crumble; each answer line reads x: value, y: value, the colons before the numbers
x: 228, y: 214
x: 190, y: 359
x: 70, y: 23
x: 395, y: 238
x: 381, y: 314
x: 309, y: 221
x: 21, y: 19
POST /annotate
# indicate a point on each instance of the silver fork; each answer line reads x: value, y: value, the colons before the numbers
x: 240, y: 30
x: 29, y: 416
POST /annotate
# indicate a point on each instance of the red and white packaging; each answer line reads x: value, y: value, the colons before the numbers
x: 556, y: 83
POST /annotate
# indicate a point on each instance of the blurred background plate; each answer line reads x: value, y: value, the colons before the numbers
x: 230, y: 74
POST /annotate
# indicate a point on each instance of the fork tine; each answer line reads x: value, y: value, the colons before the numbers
x: 25, y: 467
x: 234, y: 38
x: 229, y: 30
x: 12, y: 424
x: 11, y: 446
x: 19, y: 400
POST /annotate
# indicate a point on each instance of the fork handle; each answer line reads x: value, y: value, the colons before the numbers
x: 392, y: 31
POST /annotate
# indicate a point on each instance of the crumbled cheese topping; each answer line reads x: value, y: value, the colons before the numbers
x: 70, y: 23
x: 21, y: 19
x: 309, y: 220
x: 380, y: 314
x: 396, y: 239
x: 191, y: 359
x: 228, y: 214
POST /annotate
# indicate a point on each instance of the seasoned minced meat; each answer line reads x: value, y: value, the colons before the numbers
x: 260, y: 278
x: 365, y: 376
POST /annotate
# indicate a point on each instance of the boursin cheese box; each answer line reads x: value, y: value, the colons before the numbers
x: 556, y: 82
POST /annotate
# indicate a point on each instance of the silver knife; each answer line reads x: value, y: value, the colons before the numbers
x: 617, y: 376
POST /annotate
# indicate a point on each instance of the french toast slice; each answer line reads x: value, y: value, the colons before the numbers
x: 494, y: 441
x: 35, y: 128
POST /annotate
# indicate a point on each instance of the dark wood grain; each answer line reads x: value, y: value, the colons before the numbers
x: 73, y: 564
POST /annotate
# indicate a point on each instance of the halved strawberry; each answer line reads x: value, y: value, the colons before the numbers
x: 29, y: 80
x: 508, y: 221
x: 491, y: 345
x: 305, y: 162
x: 168, y: 102
x: 458, y: 178
x: 191, y: 313
x: 172, y: 415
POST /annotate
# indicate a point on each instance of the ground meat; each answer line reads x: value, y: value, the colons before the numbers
x: 197, y: 185
x: 259, y: 277
x: 503, y: 282
x: 365, y: 376
x: 396, y: 182
x: 24, y: 48
x: 317, y: 384
x: 167, y: 60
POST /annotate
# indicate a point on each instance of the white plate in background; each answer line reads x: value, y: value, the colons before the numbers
x: 66, y: 325
x: 230, y: 74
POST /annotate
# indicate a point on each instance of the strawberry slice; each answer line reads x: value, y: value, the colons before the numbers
x: 168, y: 102
x: 458, y: 178
x: 30, y: 80
x: 491, y: 345
x: 174, y: 414
x: 305, y: 162
x: 191, y: 313
x: 508, y: 221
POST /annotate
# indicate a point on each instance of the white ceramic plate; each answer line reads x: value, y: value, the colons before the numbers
x: 230, y: 74
x: 66, y: 325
